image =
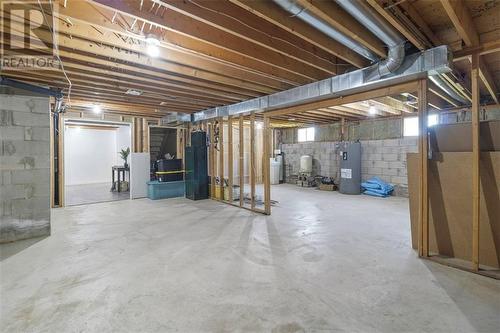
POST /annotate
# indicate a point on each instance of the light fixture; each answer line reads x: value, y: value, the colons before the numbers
x: 258, y: 125
x: 372, y: 110
x: 152, y: 46
x: 133, y: 92
x: 96, y: 108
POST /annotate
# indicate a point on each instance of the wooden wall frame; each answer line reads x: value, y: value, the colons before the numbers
x: 241, y: 167
x: 221, y: 158
x: 229, y: 145
x: 476, y: 151
x: 230, y: 158
x: 423, y: 216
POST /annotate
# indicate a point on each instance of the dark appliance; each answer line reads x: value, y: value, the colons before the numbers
x: 196, y: 167
x: 169, y: 170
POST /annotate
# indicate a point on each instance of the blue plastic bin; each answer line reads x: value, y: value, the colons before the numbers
x: 163, y: 190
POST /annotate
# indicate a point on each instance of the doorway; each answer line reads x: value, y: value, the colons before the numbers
x: 96, y: 157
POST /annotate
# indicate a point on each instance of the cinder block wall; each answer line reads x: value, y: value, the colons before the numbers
x: 383, y: 150
x: 24, y: 167
x: 383, y: 147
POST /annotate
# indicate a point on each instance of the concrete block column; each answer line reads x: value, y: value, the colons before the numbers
x: 24, y: 167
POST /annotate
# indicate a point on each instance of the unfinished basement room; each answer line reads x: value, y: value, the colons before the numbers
x: 274, y: 166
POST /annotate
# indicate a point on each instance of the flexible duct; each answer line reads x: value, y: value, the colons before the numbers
x: 444, y: 86
x: 298, y: 11
x: 365, y: 15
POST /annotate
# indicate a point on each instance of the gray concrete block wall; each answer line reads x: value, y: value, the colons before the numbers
x: 383, y: 151
x: 385, y: 159
x: 24, y: 167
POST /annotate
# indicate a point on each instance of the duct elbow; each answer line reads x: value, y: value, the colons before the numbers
x: 395, y: 58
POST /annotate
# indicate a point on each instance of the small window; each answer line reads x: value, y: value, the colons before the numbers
x: 306, y: 134
x: 410, y: 124
x: 432, y: 120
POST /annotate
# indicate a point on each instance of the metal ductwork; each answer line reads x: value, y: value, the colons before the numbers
x: 298, y: 11
x: 365, y: 15
x: 429, y: 62
x: 444, y: 86
x: 397, y: 67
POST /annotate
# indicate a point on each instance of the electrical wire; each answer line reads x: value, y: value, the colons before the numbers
x: 56, y: 47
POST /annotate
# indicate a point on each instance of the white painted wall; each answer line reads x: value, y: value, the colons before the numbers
x: 122, y: 142
x: 89, y: 154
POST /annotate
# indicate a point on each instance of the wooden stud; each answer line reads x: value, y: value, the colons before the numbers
x: 423, y: 244
x: 267, y: 141
x: 221, y: 157
x: 241, y: 165
x: 51, y: 153
x: 60, y: 162
x: 145, y: 135
x: 212, y: 160
x: 230, y: 157
x: 252, y: 159
x: 476, y: 150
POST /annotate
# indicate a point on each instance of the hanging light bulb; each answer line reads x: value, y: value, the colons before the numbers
x: 152, y: 46
x: 97, y: 109
x: 372, y: 110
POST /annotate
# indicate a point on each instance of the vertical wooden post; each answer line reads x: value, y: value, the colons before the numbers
x: 241, y: 165
x: 423, y: 244
x: 476, y: 151
x: 342, y: 129
x: 221, y: 157
x: 212, y: 160
x: 145, y: 135
x: 267, y: 156
x: 60, y: 163
x: 252, y: 159
x: 230, y: 157
x: 52, y: 165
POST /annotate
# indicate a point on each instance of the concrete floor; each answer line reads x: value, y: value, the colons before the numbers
x: 92, y: 193
x: 322, y: 262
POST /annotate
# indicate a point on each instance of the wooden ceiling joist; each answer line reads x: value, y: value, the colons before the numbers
x: 236, y: 21
x: 462, y: 21
x: 282, y: 19
x: 378, y: 5
x: 331, y: 13
x: 175, y: 22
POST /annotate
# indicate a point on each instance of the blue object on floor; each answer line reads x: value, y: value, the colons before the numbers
x: 163, y: 190
x: 377, y: 187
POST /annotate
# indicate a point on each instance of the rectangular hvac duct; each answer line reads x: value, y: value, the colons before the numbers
x: 430, y: 62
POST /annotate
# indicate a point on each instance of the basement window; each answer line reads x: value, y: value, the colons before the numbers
x: 410, y: 124
x: 306, y: 134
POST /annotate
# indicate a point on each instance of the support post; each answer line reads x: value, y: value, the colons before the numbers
x: 423, y: 244
x: 342, y: 129
x: 60, y: 163
x: 475, y: 162
x: 212, y: 160
x: 230, y: 157
x: 267, y: 156
x: 221, y: 157
x: 145, y: 135
x: 252, y: 160
x: 241, y: 165
x: 53, y: 174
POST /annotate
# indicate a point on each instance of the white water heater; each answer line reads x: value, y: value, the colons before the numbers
x: 306, y: 164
